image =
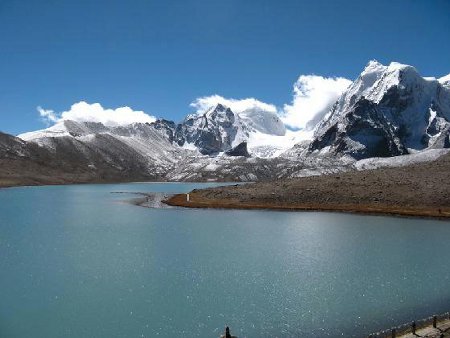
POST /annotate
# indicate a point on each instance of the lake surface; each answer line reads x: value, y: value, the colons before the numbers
x: 76, y: 261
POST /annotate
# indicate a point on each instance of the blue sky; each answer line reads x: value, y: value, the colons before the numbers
x: 159, y: 56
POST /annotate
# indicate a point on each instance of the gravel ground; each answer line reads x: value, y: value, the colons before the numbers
x: 417, y: 190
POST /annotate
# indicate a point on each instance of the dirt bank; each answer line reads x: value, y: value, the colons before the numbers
x: 417, y: 190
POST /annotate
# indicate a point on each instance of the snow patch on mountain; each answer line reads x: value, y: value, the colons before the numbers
x: 268, y: 146
x: 263, y: 121
x: 58, y: 130
x: 400, y: 161
x: 445, y: 81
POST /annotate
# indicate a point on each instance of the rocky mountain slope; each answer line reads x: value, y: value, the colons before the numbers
x: 387, y: 112
x: 66, y: 159
x: 217, y: 130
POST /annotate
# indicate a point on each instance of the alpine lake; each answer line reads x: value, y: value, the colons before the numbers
x: 81, y: 261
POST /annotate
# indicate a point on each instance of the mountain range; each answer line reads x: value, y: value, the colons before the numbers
x: 390, y: 115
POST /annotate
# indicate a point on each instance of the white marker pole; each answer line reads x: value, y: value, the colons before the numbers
x: 187, y: 197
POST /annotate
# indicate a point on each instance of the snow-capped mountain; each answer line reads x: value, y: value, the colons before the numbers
x: 219, y: 129
x: 70, y: 160
x: 147, y: 144
x: 387, y: 111
x: 193, y: 149
x: 263, y: 121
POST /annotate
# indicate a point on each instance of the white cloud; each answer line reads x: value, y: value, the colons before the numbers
x: 47, y: 115
x: 313, y: 97
x: 202, y: 104
x: 86, y: 112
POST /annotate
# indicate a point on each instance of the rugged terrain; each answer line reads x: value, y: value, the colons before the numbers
x: 27, y: 163
x: 417, y: 190
x: 389, y: 112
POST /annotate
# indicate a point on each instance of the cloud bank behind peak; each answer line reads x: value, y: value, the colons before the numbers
x: 313, y: 97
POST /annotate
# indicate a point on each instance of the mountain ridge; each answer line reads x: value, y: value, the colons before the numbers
x: 387, y: 111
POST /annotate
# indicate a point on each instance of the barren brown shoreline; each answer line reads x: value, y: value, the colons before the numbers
x: 195, y: 202
x: 420, y: 190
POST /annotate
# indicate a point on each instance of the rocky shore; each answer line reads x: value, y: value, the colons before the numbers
x: 416, y: 190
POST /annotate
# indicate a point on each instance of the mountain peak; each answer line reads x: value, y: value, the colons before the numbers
x: 221, y: 107
x: 376, y: 79
x: 373, y: 66
x: 218, y: 108
x: 222, y: 113
x: 386, y: 111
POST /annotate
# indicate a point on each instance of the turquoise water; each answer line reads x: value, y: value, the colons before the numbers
x: 75, y: 261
